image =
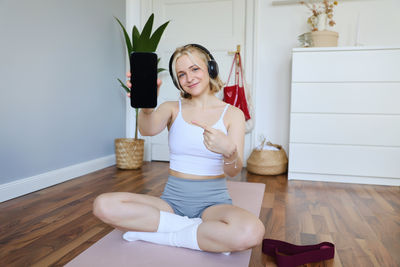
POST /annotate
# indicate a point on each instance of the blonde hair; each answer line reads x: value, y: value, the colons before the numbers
x: 215, y: 83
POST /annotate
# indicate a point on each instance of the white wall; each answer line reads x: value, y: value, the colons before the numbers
x: 133, y: 17
x: 60, y: 102
x: 277, y: 31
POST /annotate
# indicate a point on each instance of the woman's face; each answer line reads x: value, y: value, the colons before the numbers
x: 192, y: 76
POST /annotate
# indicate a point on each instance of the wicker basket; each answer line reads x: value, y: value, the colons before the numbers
x: 268, y: 162
x: 129, y: 153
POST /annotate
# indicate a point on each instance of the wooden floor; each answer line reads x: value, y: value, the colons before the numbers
x: 52, y: 226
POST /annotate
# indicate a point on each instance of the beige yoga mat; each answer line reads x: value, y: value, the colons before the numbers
x: 113, y: 251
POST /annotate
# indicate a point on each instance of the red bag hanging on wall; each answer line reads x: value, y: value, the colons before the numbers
x: 234, y: 94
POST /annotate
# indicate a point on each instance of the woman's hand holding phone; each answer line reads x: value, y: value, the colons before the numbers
x: 129, y: 85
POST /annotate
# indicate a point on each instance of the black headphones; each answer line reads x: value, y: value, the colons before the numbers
x: 212, y: 65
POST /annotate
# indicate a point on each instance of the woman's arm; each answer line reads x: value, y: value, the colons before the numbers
x: 233, y: 161
x: 230, y: 145
x: 152, y: 122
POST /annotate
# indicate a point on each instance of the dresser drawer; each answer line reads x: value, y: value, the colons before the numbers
x: 370, y: 98
x: 355, y: 129
x: 345, y: 160
x: 346, y: 66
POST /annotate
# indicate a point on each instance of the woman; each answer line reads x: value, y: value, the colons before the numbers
x: 206, y: 139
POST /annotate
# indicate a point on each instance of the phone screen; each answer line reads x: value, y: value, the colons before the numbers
x: 143, y: 79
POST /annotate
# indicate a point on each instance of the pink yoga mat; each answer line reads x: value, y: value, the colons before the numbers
x: 113, y: 251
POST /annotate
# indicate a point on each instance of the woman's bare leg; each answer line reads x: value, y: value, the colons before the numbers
x: 224, y: 228
x: 227, y: 228
x: 129, y: 211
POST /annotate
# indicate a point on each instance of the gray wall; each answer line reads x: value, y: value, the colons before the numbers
x: 60, y: 102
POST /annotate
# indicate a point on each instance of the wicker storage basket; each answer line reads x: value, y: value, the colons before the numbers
x: 129, y: 153
x: 268, y: 162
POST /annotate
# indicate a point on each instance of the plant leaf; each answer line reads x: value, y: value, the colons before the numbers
x: 159, y: 69
x: 143, y: 45
x: 155, y: 38
x: 135, y: 38
x: 124, y: 86
x: 127, y: 39
x: 146, y: 32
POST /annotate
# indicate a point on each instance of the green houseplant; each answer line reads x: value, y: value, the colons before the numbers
x: 129, y: 151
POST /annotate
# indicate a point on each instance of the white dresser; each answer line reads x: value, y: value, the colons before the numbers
x: 345, y: 115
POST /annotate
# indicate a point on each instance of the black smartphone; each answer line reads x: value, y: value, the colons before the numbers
x: 143, y: 79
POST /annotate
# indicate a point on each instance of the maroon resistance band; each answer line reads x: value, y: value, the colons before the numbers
x: 289, y: 255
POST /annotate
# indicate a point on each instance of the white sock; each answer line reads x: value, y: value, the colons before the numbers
x: 186, y: 237
x: 170, y: 222
x: 153, y: 237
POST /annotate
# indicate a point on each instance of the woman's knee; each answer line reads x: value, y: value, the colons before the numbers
x: 102, y: 207
x: 249, y: 233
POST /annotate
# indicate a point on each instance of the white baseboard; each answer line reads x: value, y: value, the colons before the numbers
x: 344, y: 179
x: 30, y: 184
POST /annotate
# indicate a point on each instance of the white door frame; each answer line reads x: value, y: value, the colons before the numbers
x: 135, y: 11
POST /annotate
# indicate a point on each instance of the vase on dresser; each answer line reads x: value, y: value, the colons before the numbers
x: 324, y: 38
x: 322, y: 22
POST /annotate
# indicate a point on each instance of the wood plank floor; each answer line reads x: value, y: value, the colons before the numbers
x: 52, y: 226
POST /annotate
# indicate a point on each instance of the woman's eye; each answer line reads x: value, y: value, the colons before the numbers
x: 195, y: 69
x: 181, y: 75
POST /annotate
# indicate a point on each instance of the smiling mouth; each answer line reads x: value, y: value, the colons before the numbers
x: 193, y: 85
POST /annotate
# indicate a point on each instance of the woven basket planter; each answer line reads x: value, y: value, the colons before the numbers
x: 129, y: 153
x: 268, y: 162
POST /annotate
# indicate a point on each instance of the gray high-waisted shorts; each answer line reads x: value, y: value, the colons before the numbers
x: 191, y: 197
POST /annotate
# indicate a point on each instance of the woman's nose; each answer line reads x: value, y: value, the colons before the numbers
x: 189, y: 77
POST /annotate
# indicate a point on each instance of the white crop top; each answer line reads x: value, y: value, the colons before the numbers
x: 187, y: 152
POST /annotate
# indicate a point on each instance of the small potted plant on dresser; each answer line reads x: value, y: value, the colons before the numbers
x: 320, y: 20
x: 129, y: 151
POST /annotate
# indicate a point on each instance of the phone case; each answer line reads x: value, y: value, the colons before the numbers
x: 143, y: 79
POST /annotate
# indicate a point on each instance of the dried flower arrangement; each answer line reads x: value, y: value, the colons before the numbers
x: 324, y: 7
